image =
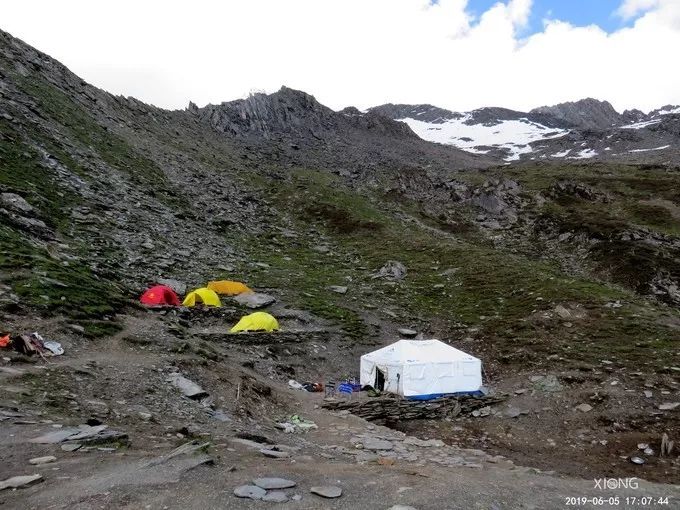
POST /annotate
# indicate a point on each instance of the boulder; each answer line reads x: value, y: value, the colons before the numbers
x: 42, y: 460
x: 254, y: 299
x: 327, y: 491
x: 393, y: 270
x: 548, y: 384
x: 274, y: 454
x: 188, y: 388
x: 408, y: 333
x: 15, y: 202
x: 274, y: 483
x: 249, y: 491
x: 275, y: 497
x: 17, y: 482
x: 176, y: 285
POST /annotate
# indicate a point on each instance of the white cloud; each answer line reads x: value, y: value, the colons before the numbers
x: 354, y: 52
x: 631, y: 8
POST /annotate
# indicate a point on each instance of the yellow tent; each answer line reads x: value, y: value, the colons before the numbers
x: 229, y: 288
x: 258, y: 321
x: 202, y: 295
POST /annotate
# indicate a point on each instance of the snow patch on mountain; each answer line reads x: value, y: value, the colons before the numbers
x: 512, y: 135
x: 641, y: 125
x: 561, y: 154
x: 585, y: 154
x: 648, y: 150
x: 671, y: 111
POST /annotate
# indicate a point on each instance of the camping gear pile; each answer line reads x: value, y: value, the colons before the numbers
x: 32, y: 344
x: 306, y: 386
x: 296, y: 424
x: 209, y: 296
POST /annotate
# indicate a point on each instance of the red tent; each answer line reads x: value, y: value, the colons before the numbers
x: 160, y: 295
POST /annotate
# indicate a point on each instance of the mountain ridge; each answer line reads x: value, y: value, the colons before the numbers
x: 583, y: 129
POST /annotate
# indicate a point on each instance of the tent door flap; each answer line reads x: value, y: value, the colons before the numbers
x: 379, y: 380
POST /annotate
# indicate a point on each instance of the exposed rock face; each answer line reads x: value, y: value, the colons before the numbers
x: 15, y: 202
x: 314, y: 134
x: 424, y: 112
x: 297, y: 113
x: 579, y: 190
x: 587, y: 113
x: 492, y: 116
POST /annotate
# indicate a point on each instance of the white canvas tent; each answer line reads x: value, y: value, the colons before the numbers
x: 421, y: 369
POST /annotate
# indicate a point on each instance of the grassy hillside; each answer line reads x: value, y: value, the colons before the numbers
x: 129, y: 193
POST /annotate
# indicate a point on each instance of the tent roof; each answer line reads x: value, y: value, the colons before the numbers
x: 417, y: 352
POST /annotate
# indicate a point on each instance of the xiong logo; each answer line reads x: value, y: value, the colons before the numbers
x: 615, y: 483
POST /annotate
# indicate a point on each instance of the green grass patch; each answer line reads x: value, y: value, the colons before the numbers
x: 468, y: 283
x: 100, y: 329
x: 22, y: 172
x: 45, y: 283
x: 83, y: 128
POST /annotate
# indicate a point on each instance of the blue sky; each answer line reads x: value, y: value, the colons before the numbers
x: 576, y: 12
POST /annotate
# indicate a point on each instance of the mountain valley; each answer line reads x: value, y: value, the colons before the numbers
x: 546, y: 243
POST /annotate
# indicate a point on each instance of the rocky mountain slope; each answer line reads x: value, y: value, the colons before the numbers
x: 586, y: 129
x: 562, y: 276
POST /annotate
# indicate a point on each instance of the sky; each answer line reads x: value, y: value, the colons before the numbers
x: 456, y: 54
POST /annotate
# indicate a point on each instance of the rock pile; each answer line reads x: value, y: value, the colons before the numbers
x: 396, y: 409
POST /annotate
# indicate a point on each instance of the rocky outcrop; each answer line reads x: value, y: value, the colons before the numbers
x: 579, y: 190
x: 424, y: 112
x: 348, y: 138
x: 296, y: 113
x: 587, y: 113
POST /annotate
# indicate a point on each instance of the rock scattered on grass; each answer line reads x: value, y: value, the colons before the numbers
x: 393, y: 270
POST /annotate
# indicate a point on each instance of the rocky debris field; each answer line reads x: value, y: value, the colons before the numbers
x: 106, y: 425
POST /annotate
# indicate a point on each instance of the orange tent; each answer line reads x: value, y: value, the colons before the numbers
x: 229, y: 288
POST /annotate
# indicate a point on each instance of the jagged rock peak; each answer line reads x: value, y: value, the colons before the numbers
x: 295, y: 113
x: 586, y: 113
x: 424, y: 112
